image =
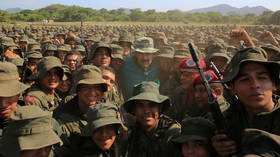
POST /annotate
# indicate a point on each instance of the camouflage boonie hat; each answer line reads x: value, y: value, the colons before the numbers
x: 117, y: 51
x: 100, y: 115
x: 196, y: 128
x: 167, y: 52
x: 147, y: 91
x: 45, y: 65
x: 145, y: 45
x: 251, y: 54
x: 272, y: 48
x: 64, y: 47
x: 88, y: 74
x: 50, y: 47
x: 125, y: 38
x: 34, y: 54
x: 182, y: 53
x: 67, y: 72
x: 259, y: 143
x: 9, y: 80
x: 29, y: 128
x: 80, y: 48
x: 95, y: 46
x: 164, y: 40
x: 16, y: 61
x: 23, y: 38
x: 46, y: 40
x: 34, y: 47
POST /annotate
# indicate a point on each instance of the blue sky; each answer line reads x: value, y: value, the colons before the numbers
x: 159, y: 5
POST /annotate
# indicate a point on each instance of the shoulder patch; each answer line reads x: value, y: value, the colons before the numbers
x: 29, y: 100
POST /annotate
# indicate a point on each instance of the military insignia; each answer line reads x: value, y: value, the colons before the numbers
x: 208, y: 76
x: 29, y: 100
x: 190, y: 63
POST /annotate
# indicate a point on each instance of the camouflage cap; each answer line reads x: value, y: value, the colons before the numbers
x: 50, y: 47
x: 16, y: 61
x: 88, y: 74
x: 100, y: 115
x: 162, y: 39
x: 80, y: 48
x: 167, y: 52
x: 258, y: 143
x: 97, y: 45
x: 147, y: 91
x: 182, y: 53
x: 46, y: 40
x: 64, y: 47
x: 34, y: 54
x: 196, y: 128
x: 270, y: 47
x: 67, y: 72
x: 29, y: 128
x: 145, y: 45
x: 9, y: 80
x: 23, y: 38
x: 34, y: 47
x: 117, y: 51
x: 251, y: 54
x: 45, y: 65
x: 125, y: 38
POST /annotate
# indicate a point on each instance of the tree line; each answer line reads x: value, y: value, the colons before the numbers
x: 62, y: 13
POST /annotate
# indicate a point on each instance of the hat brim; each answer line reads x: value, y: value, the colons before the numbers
x: 185, y: 138
x: 12, y: 88
x: 93, y: 126
x: 231, y: 75
x: 165, y: 56
x: 146, y: 50
x: 160, y: 99
x: 119, y: 56
x: 37, y: 141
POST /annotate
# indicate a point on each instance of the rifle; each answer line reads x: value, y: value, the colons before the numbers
x: 231, y: 98
x: 85, y: 60
x: 218, y: 117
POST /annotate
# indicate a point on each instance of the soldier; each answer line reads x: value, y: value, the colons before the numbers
x: 100, y: 54
x: 42, y: 94
x: 273, y: 52
x: 142, y: 66
x: 195, y: 138
x: 49, y: 50
x: 152, y: 134
x: 102, y: 129
x: 33, y: 57
x: 183, y: 95
x: 201, y: 106
x: 62, y: 50
x: 73, y: 60
x: 19, y: 63
x: 126, y: 43
x: 253, y: 79
x: 173, y: 82
x: 9, y: 93
x: 90, y: 88
x: 65, y: 85
x: 29, y: 133
x: 165, y: 60
x: 117, y: 57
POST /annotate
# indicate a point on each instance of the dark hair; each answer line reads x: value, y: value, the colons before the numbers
x: 110, y: 69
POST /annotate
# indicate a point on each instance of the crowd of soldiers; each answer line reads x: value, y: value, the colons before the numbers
x: 136, y: 91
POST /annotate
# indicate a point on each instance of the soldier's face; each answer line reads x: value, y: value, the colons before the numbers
x: 32, y: 64
x: 61, y: 55
x: 7, y: 105
x: 42, y: 152
x: 201, y: 96
x: 71, y: 61
x: 50, y: 80
x: 144, y: 60
x: 89, y: 94
x: 165, y: 63
x: 187, y: 77
x: 64, y: 86
x: 104, y: 137
x: 117, y: 63
x: 126, y: 48
x: 102, y: 57
x: 195, y: 148
x: 109, y: 78
x: 147, y: 113
x: 254, y: 87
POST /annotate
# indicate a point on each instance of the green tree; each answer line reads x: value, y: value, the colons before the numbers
x: 4, y: 16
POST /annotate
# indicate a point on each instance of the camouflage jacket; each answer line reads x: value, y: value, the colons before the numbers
x: 35, y: 96
x: 158, y: 144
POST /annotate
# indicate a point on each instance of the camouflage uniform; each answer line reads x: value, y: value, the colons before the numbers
x: 36, y: 95
x: 72, y: 120
x: 158, y: 143
x: 10, y: 86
